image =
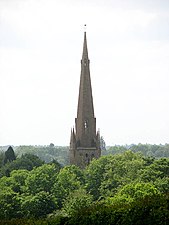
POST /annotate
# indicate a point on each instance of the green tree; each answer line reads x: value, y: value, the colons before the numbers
x: 158, y: 169
x: 121, y: 170
x: 9, y: 204
x: 134, y: 191
x: 94, y: 175
x: 162, y: 184
x: 77, y: 200
x: 41, y: 179
x: 148, y: 210
x: 70, y: 178
x: 26, y: 161
x: 2, y: 155
x: 9, y: 155
x: 16, y: 181
x: 46, y: 153
x: 38, y: 205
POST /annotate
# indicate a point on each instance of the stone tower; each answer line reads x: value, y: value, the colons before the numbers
x: 84, y: 142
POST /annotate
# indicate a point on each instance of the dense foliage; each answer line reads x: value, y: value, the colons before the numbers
x: 26, y: 161
x: 126, y: 188
x: 147, y: 150
x: 61, y: 153
x: 46, y: 153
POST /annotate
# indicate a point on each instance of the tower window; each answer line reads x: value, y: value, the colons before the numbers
x: 85, y: 124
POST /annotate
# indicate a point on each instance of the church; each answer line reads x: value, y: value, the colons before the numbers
x: 84, y: 141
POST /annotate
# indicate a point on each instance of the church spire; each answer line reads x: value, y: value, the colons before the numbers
x: 85, y: 143
x: 85, y: 101
x: 85, y: 50
x: 85, y: 122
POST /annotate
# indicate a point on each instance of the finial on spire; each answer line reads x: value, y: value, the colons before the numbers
x: 85, y: 27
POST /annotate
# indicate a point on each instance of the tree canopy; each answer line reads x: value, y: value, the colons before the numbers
x: 125, y: 188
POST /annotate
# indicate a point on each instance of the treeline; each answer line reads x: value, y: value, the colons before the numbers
x: 121, y: 189
x: 45, y: 153
x: 61, y: 153
x: 148, y: 150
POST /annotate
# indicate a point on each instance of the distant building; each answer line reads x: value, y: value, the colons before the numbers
x: 84, y: 142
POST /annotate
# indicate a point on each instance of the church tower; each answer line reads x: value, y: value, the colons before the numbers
x: 84, y: 142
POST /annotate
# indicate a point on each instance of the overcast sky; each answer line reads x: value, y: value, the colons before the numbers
x: 40, y: 52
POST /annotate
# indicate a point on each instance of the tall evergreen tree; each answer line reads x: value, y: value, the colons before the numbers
x: 9, y: 155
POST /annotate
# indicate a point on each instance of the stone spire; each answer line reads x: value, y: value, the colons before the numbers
x: 85, y: 50
x: 85, y: 122
x: 85, y: 89
x: 85, y: 143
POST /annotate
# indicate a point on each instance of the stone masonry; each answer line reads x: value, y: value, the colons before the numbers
x: 84, y: 142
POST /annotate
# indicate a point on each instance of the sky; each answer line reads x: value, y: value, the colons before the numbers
x: 40, y: 51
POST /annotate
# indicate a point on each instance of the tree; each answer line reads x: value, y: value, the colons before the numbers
x: 18, y: 178
x: 9, y: 204
x: 76, y: 200
x: 162, y: 184
x: 41, y: 179
x: 9, y: 155
x: 57, y: 165
x: 51, y: 145
x: 26, y: 161
x: 94, y: 175
x: 2, y: 155
x: 38, y: 205
x: 158, y: 169
x: 70, y: 178
x: 46, y: 153
x: 137, y: 191
x: 118, y: 171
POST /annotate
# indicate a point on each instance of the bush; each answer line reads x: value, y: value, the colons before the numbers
x: 147, y: 211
